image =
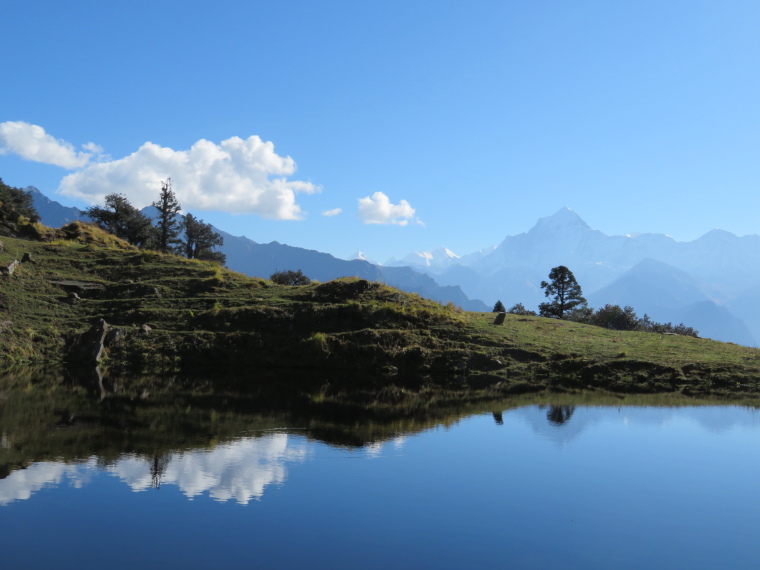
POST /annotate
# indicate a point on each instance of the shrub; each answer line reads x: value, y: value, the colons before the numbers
x: 289, y: 278
x: 519, y: 309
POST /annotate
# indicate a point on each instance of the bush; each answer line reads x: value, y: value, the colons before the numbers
x: 289, y: 278
x: 519, y: 309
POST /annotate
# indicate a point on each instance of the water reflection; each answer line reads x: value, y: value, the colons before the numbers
x: 22, y: 483
x: 564, y: 424
x: 559, y: 415
x: 239, y: 470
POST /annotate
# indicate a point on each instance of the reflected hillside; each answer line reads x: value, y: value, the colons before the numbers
x: 234, y: 438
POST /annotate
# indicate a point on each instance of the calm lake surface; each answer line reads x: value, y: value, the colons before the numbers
x: 523, y: 486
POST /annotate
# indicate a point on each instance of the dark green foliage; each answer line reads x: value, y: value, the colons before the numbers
x: 499, y: 307
x: 123, y: 220
x: 200, y: 239
x: 564, y: 290
x: 289, y: 278
x: 167, y: 224
x: 519, y: 309
x: 614, y: 317
x: 18, y: 200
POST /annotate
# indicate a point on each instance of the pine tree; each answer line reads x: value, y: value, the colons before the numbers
x: 167, y: 224
x: 499, y: 307
x: 566, y: 292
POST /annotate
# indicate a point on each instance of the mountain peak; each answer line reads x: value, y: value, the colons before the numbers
x: 562, y: 220
x: 718, y: 235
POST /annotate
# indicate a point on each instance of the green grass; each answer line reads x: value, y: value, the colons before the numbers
x: 204, y: 315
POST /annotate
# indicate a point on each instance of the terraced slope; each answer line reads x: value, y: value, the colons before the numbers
x: 173, y: 314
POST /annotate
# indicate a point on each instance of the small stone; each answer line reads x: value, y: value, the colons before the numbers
x: 145, y: 329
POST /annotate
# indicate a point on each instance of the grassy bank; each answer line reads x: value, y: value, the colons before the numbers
x: 178, y: 315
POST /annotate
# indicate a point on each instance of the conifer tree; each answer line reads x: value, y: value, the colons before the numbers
x: 566, y: 293
x: 499, y: 307
x: 167, y: 224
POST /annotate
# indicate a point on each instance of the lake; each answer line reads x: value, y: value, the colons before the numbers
x: 98, y: 481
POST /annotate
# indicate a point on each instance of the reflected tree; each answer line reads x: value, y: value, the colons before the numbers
x: 498, y: 418
x: 158, y: 467
x: 559, y: 415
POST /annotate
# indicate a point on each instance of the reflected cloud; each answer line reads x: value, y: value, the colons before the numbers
x: 239, y: 470
x: 21, y: 484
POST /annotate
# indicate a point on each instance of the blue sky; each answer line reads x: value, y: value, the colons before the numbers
x: 416, y: 124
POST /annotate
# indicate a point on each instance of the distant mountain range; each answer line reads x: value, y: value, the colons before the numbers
x: 261, y: 260
x: 711, y: 284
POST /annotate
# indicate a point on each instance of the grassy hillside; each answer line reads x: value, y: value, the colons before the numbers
x: 203, y: 316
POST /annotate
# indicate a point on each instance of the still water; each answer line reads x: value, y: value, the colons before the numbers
x: 520, y: 486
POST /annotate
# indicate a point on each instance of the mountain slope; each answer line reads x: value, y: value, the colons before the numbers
x: 261, y: 260
x: 668, y: 294
x: 53, y: 214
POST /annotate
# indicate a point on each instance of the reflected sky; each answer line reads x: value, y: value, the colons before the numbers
x: 237, y: 471
x: 578, y: 420
x: 592, y: 487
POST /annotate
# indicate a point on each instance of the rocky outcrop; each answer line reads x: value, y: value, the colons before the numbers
x: 9, y: 268
x: 89, y: 348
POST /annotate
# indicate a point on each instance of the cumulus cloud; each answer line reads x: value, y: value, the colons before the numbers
x: 333, y: 212
x: 377, y: 209
x: 236, y: 176
x: 33, y: 143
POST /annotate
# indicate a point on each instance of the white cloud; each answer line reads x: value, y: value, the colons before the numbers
x: 333, y: 212
x: 240, y: 470
x: 377, y: 209
x: 236, y: 176
x: 33, y: 143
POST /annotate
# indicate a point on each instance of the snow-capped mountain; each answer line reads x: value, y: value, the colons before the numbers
x: 719, y: 268
x: 440, y: 257
x: 711, y: 283
x: 361, y: 256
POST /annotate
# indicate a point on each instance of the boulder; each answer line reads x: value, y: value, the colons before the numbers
x: 89, y: 348
x: 9, y: 268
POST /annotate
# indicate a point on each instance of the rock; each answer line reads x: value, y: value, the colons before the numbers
x: 10, y: 268
x: 499, y: 320
x: 145, y: 329
x: 89, y: 349
x: 113, y: 336
x: 26, y: 258
x: 72, y: 298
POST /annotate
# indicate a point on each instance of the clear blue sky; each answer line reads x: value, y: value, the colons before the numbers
x: 465, y: 121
